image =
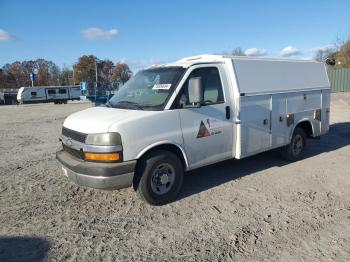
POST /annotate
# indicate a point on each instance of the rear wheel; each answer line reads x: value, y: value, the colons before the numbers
x: 160, y: 177
x: 294, y: 151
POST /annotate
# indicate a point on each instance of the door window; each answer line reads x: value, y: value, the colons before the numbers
x: 51, y: 91
x: 212, y: 87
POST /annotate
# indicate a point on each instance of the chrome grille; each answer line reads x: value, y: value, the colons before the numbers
x: 73, y: 152
x: 74, y: 135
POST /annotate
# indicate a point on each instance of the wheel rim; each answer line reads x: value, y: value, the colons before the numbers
x: 298, y: 145
x: 162, y: 179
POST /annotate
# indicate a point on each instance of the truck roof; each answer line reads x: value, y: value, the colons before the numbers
x: 266, y: 75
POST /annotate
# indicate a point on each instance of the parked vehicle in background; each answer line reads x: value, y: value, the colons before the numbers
x: 195, y: 112
x: 2, y: 98
x: 99, y: 96
x: 8, y: 96
x: 42, y: 94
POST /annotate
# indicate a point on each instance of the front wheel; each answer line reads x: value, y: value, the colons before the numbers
x: 160, y: 177
x: 294, y: 151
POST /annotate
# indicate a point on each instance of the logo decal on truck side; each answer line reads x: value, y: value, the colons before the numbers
x: 203, y: 131
x: 209, y: 127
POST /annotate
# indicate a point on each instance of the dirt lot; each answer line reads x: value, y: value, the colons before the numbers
x: 260, y: 208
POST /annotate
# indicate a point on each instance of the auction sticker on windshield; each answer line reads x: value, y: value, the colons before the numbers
x: 161, y: 87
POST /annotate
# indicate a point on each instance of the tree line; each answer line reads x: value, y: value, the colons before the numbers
x: 110, y: 75
x: 339, y: 58
x: 86, y: 69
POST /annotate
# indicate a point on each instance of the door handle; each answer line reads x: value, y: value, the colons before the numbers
x: 266, y: 121
x: 228, y: 112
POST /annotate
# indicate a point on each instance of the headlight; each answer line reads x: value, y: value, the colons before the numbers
x: 106, y: 139
x: 94, y: 153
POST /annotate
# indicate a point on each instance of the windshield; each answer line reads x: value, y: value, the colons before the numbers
x: 148, y: 89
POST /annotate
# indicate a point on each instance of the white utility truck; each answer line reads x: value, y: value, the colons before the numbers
x: 195, y: 112
x: 46, y: 94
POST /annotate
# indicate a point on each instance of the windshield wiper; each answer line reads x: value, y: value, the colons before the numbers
x: 127, y: 104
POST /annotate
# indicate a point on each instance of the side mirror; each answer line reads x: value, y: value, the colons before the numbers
x: 195, y: 92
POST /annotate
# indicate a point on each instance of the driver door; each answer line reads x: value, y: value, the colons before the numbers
x: 207, y: 130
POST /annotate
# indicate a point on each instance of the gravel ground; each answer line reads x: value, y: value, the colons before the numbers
x: 259, y: 208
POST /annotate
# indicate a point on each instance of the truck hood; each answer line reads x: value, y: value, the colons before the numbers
x: 99, y: 119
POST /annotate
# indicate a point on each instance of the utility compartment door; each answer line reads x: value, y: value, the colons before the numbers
x: 255, y: 124
x: 278, y: 121
x: 325, y: 111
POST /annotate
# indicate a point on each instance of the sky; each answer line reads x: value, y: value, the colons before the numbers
x: 141, y: 33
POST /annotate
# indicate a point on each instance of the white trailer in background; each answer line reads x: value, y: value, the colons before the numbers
x: 195, y: 112
x: 46, y: 94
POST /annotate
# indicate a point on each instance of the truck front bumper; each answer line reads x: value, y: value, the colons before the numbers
x: 97, y: 175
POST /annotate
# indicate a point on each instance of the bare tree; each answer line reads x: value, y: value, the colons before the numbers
x: 342, y: 58
x: 237, y: 51
x: 85, y: 69
x: 66, y: 76
x: 122, y: 73
x: 323, y: 55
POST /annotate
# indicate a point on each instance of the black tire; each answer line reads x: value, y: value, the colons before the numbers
x: 294, y: 151
x: 159, y: 177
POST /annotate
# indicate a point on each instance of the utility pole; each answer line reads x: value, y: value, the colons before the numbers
x: 96, y: 77
x: 96, y: 68
x: 32, y: 78
x: 32, y: 75
x: 73, y: 76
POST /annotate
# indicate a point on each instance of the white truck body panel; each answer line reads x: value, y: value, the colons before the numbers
x: 259, y: 93
x: 276, y: 89
x: 257, y: 137
x: 272, y: 76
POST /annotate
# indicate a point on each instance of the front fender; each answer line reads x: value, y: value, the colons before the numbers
x: 163, y: 143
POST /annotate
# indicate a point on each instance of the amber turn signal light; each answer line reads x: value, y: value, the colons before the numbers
x: 115, y: 156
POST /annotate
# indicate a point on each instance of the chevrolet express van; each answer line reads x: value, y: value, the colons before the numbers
x: 200, y: 110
